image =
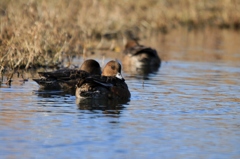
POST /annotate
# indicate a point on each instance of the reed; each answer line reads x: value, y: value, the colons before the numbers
x: 43, y: 32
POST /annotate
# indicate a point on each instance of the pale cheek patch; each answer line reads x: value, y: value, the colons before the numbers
x: 118, y: 75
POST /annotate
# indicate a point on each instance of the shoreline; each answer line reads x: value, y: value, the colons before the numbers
x: 42, y: 33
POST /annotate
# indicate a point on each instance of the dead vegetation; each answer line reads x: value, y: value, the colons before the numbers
x: 42, y: 33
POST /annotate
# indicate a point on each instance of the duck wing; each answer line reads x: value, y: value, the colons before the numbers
x: 64, y: 74
x: 136, y: 50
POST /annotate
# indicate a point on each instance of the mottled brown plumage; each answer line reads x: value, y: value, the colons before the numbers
x: 66, y: 78
x: 140, y: 57
x: 110, y: 85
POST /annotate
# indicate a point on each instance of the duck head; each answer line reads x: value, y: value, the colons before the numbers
x: 112, y: 68
x: 91, y: 66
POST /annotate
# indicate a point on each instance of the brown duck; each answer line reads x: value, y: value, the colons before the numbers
x: 111, y: 85
x: 66, y: 78
x: 141, y: 56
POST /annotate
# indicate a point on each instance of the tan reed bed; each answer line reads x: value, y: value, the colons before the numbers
x: 44, y: 32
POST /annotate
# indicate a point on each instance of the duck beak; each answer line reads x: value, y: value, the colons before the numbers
x: 118, y: 75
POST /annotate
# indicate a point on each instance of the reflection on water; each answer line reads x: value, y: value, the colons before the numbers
x: 209, y: 45
x: 101, y: 104
x: 186, y: 109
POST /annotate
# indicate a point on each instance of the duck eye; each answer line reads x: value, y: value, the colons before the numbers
x: 113, y: 67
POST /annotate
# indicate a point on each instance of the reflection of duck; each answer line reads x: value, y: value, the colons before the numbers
x: 110, y: 85
x: 50, y: 93
x: 140, y: 59
x: 67, y: 78
x: 101, y: 104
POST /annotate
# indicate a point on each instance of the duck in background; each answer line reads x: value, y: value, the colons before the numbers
x: 66, y: 79
x: 111, y: 85
x: 140, y: 59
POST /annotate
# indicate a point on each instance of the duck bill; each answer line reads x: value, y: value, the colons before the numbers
x: 118, y: 75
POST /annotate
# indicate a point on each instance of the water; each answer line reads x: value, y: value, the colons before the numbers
x: 188, y: 109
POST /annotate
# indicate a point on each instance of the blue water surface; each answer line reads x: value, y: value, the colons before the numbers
x: 185, y: 110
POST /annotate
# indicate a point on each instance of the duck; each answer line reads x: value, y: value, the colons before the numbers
x: 110, y: 85
x: 140, y: 58
x: 66, y: 79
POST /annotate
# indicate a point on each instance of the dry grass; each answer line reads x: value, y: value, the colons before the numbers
x: 44, y: 32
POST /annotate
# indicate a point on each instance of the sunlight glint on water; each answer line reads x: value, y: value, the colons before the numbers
x: 186, y: 110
